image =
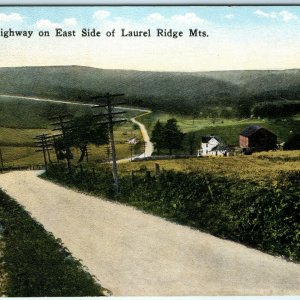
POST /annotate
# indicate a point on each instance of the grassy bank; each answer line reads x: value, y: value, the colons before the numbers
x: 263, y: 167
x: 260, y: 213
x: 35, y: 263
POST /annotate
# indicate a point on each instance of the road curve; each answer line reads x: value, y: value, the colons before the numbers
x: 148, y: 144
x: 133, y: 253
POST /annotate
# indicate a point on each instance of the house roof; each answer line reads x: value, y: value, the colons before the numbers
x: 248, y: 131
x: 220, y: 147
x: 207, y: 138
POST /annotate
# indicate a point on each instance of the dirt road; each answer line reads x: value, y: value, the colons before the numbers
x: 137, y: 254
x: 148, y: 144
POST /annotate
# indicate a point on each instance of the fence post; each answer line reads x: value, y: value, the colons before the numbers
x: 81, y: 172
x: 157, y: 170
x: 148, y: 174
x: 132, y: 178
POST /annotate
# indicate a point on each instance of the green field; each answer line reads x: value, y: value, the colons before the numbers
x: 227, y: 129
x: 262, y: 167
x: 23, y: 113
x: 21, y: 120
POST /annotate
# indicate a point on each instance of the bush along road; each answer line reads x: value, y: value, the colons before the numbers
x: 260, y: 216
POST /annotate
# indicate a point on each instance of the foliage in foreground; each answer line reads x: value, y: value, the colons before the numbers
x: 35, y: 262
x: 264, y: 217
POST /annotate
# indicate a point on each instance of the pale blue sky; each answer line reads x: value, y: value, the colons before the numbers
x: 242, y: 15
x: 256, y: 37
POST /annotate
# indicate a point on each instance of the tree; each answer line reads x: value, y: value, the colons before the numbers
x: 83, y: 130
x: 293, y: 143
x: 173, y: 136
x: 191, y: 139
x: 243, y: 108
x: 158, y: 136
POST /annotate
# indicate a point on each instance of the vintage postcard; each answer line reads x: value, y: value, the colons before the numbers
x: 149, y: 151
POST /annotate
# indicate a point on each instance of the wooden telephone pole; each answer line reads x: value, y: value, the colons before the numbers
x: 110, y: 121
x: 1, y: 160
x: 62, y: 124
x: 43, y: 145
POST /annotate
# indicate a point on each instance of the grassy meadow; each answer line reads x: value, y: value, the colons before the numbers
x: 227, y: 129
x: 21, y: 120
x: 261, y: 167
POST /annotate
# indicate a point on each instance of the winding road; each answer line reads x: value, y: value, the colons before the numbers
x: 148, y: 144
x: 133, y: 253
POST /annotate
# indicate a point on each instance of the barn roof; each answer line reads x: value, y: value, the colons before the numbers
x: 248, y: 131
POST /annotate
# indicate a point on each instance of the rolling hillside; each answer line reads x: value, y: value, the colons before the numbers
x: 169, y: 91
x: 150, y: 89
x: 265, y: 84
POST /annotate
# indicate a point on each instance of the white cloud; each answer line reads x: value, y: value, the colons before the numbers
x: 47, y: 24
x: 285, y: 15
x: 70, y: 22
x: 13, y: 17
x: 156, y: 17
x: 229, y: 17
x: 260, y: 13
x: 101, y: 15
x: 187, y: 19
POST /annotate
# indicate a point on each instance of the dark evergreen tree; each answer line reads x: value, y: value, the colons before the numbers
x: 158, y: 136
x: 173, y: 136
x: 191, y: 139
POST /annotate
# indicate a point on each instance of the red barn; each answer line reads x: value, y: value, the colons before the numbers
x: 257, y: 138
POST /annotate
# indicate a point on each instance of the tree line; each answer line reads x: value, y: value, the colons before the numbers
x: 277, y: 109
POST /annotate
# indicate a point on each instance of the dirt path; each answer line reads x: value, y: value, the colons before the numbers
x: 137, y: 254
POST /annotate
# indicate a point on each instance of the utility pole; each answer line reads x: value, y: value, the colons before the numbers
x: 63, y: 127
x: 43, y: 145
x: 55, y: 148
x: 1, y: 160
x: 87, y: 153
x: 110, y: 121
x: 107, y: 151
x: 131, y: 151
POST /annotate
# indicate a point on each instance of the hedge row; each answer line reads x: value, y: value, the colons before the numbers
x: 35, y: 262
x: 264, y: 217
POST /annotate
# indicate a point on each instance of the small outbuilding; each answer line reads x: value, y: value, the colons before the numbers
x: 257, y: 138
x: 212, y: 146
x: 133, y: 141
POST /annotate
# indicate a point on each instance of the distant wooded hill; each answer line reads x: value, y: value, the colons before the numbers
x: 189, y: 93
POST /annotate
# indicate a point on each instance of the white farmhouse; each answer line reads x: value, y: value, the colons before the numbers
x: 212, y: 146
